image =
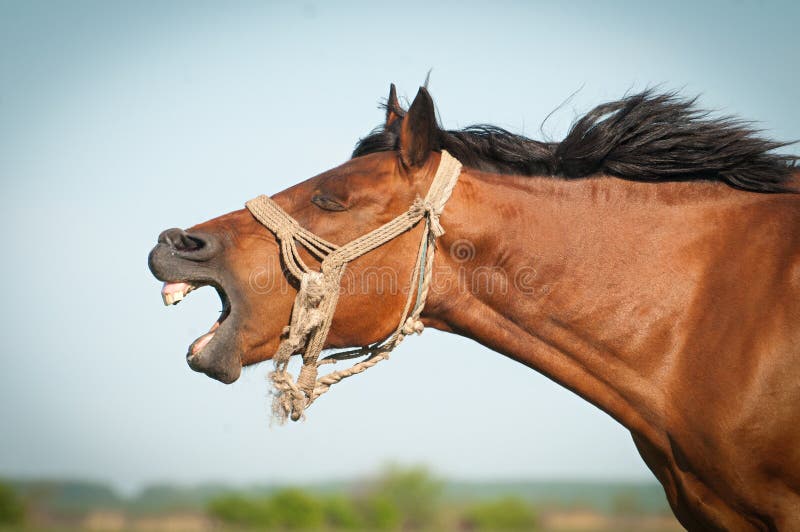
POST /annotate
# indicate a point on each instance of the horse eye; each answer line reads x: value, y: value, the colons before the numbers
x: 327, y: 203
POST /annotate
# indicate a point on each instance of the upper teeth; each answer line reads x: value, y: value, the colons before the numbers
x: 172, y: 293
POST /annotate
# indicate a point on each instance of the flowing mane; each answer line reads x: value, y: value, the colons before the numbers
x: 643, y: 137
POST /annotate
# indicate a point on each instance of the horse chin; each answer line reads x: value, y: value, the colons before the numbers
x: 218, y: 363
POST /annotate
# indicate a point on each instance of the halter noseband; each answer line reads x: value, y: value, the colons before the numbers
x: 316, y: 300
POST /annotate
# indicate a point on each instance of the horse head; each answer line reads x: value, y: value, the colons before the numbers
x: 242, y: 259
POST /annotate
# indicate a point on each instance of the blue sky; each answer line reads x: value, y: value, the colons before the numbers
x: 119, y: 120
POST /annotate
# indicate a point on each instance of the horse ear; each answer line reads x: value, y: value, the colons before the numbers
x: 393, y: 109
x: 419, y: 134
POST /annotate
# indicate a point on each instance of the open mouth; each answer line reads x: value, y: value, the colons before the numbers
x: 174, y: 293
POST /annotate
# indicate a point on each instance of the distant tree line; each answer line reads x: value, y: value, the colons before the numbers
x: 407, y: 499
x: 12, y: 510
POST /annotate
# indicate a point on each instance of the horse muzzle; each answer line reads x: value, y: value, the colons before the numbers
x: 187, y: 261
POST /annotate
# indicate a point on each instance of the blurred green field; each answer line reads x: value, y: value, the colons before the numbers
x: 395, y: 499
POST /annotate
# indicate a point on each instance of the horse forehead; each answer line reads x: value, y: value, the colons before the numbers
x: 369, y: 166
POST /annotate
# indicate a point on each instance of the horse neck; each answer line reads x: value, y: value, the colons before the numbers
x: 582, y: 280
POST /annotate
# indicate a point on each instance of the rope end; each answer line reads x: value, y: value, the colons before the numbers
x: 413, y: 326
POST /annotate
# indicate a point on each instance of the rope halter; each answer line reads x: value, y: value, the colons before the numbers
x: 318, y: 295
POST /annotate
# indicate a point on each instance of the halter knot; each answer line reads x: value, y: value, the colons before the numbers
x: 286, y: 232
x: 425, y: 207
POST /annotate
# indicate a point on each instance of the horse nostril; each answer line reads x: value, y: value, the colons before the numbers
x: 180, y: 240
x: 197, y: 246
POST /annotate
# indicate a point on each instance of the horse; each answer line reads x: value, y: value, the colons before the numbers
x: 649, y: 262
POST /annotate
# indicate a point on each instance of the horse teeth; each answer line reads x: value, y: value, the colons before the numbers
x: 172, y: 298
x: 172, y: 293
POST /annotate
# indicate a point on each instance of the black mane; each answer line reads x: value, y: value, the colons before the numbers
x: 643, y: 137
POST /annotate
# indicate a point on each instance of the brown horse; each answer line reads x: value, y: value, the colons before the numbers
x: 650, y: 263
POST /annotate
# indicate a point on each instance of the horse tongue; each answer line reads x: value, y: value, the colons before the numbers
x: 201, y: 342
x: 171, y: 293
